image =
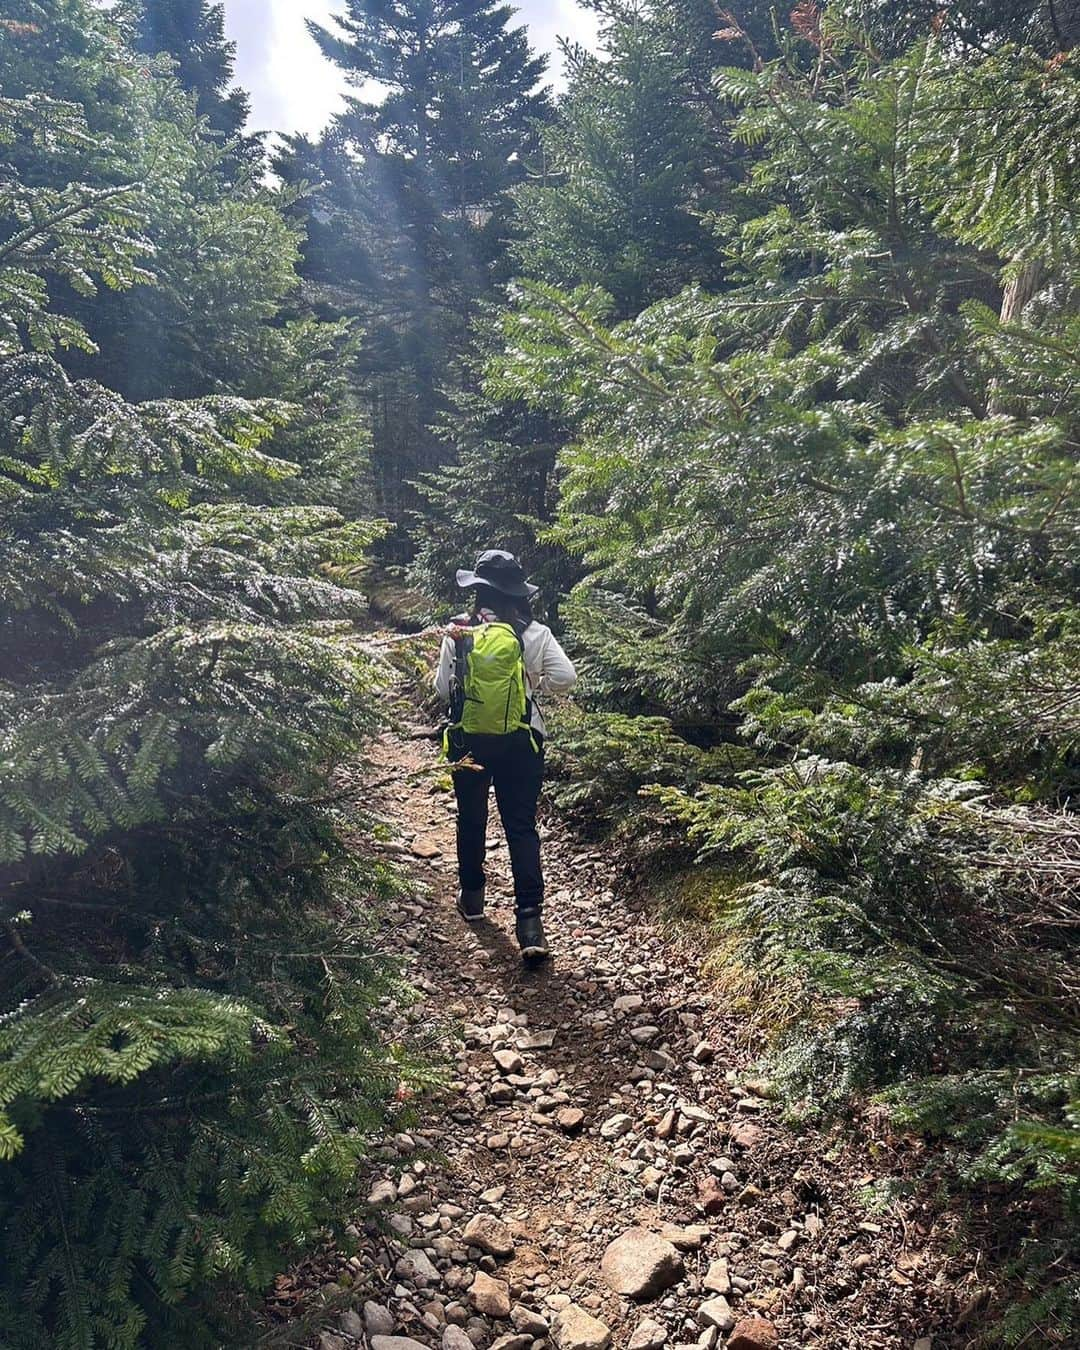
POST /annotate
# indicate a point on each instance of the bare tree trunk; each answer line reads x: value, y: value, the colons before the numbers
x: 1064, y: 16
x: 1018, y: 291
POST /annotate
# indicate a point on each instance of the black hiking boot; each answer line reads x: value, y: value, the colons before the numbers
x: 470, y: 905
x: 530, y: 936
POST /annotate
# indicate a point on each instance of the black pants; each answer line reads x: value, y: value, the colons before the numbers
x: 517, y: 770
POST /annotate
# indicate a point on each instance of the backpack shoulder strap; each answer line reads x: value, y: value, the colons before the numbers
x: 519, y: 626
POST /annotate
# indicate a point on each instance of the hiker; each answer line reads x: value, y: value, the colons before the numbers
x: 494, y: 661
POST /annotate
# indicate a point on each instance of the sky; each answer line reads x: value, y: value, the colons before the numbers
x: 293, y: 88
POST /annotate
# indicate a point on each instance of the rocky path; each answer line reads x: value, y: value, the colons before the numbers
x: 609, y: 1175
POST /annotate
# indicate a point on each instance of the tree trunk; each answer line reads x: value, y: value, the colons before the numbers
x: 1018, y: 291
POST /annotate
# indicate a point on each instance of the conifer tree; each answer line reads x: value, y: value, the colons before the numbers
x: 461, y: 100
x: 501, y: 484
x: 192, y: 32
x: 638, y: 159
x: 620, y: 193
x: 617, y: 196
x: 411, y: 216
x: 191, y: 1062
x: 975, y: 26
x: 224, y: 257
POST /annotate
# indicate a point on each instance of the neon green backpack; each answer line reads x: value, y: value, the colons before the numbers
x: 489, y: 694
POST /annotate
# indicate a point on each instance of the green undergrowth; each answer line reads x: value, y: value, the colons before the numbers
x: 879, y: 936
x: 598, y: 763
x: 201, y: 1040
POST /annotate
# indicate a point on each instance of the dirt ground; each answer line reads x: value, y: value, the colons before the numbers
x: 605, y: 1092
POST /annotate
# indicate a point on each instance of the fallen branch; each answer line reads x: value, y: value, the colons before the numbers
x: 424, y: 734
x: 440, y: 630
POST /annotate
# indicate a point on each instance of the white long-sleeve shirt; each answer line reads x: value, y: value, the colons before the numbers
x: 548, y: 669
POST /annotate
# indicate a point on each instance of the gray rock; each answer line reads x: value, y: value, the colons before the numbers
x: 509, y: 1061
x: 415, y: 1267
x: 529, y: 1322
x: 453, y: 1338
x: 616, y: 1126
x: 716, y: 1312
x: 396, y: 1343
x: 647, y: 1335
x: 352, y: 1324
x: 378, y: 1321
x: 489, y: 1234
x: 513, y: 1340
x: 640, y: 1264
x: 537, y: 1040
x: 575, y: 1329
x: 717, y: 1278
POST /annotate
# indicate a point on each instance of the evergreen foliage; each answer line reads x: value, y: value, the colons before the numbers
x: 193, y: 1043
x: 620, y: 194
x: 223, y: 256
x: 784, y: 395
x: 830, y: 512
x: 639, y: 158
x: 500, y: 482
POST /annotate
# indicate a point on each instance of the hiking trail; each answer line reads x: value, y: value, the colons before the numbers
x: 605, y: 1096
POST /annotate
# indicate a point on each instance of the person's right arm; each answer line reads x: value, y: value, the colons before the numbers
x: 445, y: 669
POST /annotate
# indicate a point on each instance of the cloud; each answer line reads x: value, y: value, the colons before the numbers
x: 549, y: 20
x: 292, y: 86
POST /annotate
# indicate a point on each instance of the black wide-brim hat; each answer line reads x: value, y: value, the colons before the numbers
x: 499, y: 570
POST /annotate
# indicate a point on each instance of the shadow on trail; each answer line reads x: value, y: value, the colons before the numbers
x: 541, y: 991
